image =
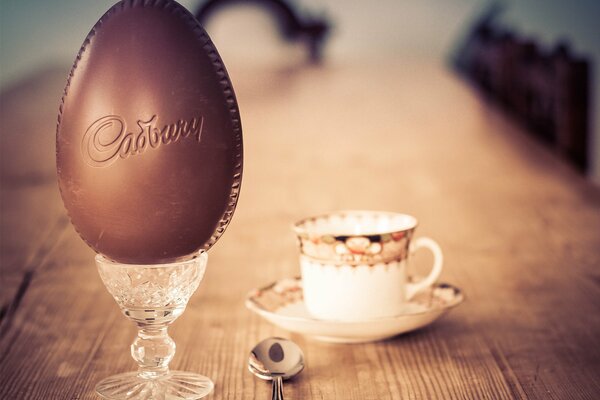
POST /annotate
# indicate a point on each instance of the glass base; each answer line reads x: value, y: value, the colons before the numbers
x: 175, y: 385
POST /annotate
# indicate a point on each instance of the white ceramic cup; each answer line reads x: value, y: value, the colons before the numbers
x: 354, y: 264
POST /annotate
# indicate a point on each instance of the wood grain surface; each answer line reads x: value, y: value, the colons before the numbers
x: 520, y: 232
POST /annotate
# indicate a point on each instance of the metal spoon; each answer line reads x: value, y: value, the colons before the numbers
x: 276, y: 359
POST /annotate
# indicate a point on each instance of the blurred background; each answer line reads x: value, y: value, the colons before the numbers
x: 37, y: 39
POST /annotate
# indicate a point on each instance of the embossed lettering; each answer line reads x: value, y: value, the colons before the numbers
x: 107, y: 139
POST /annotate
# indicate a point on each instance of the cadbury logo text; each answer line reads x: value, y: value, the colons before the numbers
x: 107, y: 139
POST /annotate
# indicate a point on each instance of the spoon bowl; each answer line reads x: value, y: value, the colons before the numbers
x: 276, y: 359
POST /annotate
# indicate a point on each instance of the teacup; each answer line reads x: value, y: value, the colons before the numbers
x: 354, y: 263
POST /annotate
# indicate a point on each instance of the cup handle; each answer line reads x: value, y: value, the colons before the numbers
x: 438, y: 260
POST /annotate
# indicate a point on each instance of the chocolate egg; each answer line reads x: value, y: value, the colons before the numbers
x: 149, y: 140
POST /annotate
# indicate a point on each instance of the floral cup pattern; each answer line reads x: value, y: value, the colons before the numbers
x: 381, y: 237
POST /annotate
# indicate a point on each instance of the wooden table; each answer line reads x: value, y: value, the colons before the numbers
x: 520, y: 231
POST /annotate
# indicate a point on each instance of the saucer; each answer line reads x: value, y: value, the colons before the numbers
x: 281, y: 303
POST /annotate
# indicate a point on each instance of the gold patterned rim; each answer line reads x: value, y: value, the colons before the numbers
x: 291, y: 293
x: 356, y: 237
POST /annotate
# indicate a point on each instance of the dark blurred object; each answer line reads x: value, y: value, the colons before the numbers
x: 293, y: 26
x: 546, y: 90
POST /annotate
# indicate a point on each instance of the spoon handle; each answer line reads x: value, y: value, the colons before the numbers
x: 277, y: 388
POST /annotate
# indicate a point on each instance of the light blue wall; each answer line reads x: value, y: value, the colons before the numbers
x: 35, y: 33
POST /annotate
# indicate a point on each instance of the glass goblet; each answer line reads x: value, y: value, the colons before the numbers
x: 153, y: 296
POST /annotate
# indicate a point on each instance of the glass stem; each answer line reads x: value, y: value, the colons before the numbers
x: 153, y: 349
